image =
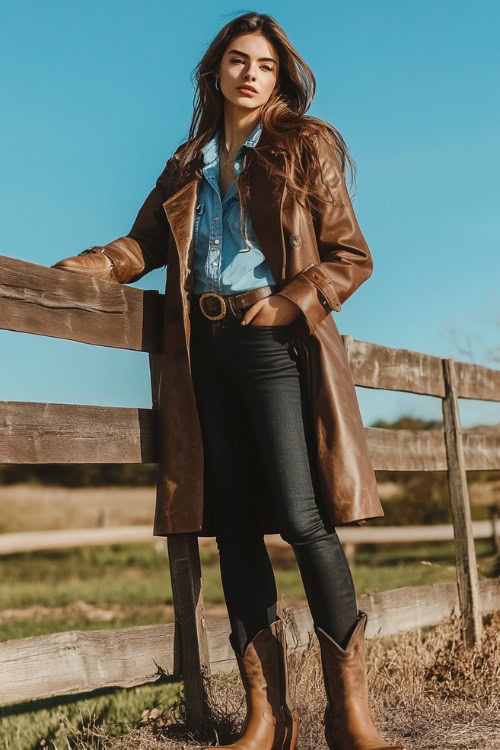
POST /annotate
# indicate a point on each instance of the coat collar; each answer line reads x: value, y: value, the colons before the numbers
x: 264, y: 206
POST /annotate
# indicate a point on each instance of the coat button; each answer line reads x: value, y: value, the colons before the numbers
x: 172, y: 313
x: 178, y: 352
x: 295, y: 240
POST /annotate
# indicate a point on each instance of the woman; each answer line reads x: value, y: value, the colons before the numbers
x: 260, y: 430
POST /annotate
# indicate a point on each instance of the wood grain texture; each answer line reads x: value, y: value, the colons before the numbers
x: 77, y: 662
x: 476, y: 381
x: 65, y: 433
x: 481, y: 450
x: 185, y: 575
x: 458, y: 492
x: 82, y: 661
x: 375, y: 366
x: 406, y: 450
x: 399, y: 610
x: 61, y: 304
x: 425, y: 450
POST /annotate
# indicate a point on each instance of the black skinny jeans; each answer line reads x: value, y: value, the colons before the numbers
x: 247, y: 383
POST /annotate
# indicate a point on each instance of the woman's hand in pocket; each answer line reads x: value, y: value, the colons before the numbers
x: 271, y: 311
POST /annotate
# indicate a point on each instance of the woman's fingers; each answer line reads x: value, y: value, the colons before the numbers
x: 252, y: 312
x: 271, y: 311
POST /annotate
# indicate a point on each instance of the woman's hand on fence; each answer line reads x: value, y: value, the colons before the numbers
x: 271, y: 311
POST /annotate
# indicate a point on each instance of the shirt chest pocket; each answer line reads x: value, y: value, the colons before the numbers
x: 200, y: 208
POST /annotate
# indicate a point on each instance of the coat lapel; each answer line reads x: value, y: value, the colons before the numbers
x: 265, y: 208
x: 180, y: 210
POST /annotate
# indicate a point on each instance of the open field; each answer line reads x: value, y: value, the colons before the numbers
x: 27, y: 507
x: 103, y: 587
x: 119, y: 586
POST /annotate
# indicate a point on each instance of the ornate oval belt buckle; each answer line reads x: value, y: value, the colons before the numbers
x: 212, y: 305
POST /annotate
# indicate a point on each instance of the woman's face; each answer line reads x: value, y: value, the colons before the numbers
x: 249, y: 60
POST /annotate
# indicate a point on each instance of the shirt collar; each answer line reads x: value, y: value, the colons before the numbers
x: 210, y: 150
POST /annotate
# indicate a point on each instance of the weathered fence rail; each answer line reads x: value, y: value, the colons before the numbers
x: 49, y: 302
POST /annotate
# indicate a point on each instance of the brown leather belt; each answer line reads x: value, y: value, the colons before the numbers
x: 216, y: 306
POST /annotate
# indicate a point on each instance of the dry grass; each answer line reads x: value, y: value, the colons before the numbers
x: 426, y: 691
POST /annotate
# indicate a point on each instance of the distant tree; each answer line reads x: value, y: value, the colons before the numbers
x: 80, y: 475
x: 406, y: 422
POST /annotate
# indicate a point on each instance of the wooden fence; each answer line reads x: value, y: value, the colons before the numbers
x: 45, y: 301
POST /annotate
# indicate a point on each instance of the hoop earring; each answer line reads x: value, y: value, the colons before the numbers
x: 217, y: 84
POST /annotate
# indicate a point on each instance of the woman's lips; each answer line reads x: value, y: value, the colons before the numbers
x: 247, y: 92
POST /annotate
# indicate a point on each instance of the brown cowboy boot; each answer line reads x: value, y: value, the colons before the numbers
x: 272, y: 721
x: 349, y: 724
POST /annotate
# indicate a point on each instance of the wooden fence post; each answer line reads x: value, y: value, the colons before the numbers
x: 185, y: 574
x: 465, y: 553
x: 187, y: 591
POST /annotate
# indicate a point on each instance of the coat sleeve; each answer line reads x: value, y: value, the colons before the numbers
x: 345, y: 260
x: 130, y: 257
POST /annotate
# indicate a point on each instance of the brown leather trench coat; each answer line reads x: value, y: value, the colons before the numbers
x: 317, y: 263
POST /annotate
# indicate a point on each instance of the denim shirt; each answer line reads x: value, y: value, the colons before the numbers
x: 227, y: 256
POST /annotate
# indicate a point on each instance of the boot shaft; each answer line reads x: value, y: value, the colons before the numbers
x: 271, y: 722
x: 349, y: 724
x: 344, y: 669
x: 263, y: 669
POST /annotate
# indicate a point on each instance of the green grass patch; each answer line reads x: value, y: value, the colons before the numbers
x: 27, y: 726
x: 134, y: 578
x: 137, y: 575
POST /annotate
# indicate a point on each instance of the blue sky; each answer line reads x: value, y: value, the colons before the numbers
x: 95, y: 96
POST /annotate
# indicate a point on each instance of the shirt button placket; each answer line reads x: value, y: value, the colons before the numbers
x: 215, y: 249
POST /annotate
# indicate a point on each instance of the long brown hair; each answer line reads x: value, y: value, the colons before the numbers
x: 283, y: 116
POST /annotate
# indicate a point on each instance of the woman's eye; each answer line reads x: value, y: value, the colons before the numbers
x: 239, y: 60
